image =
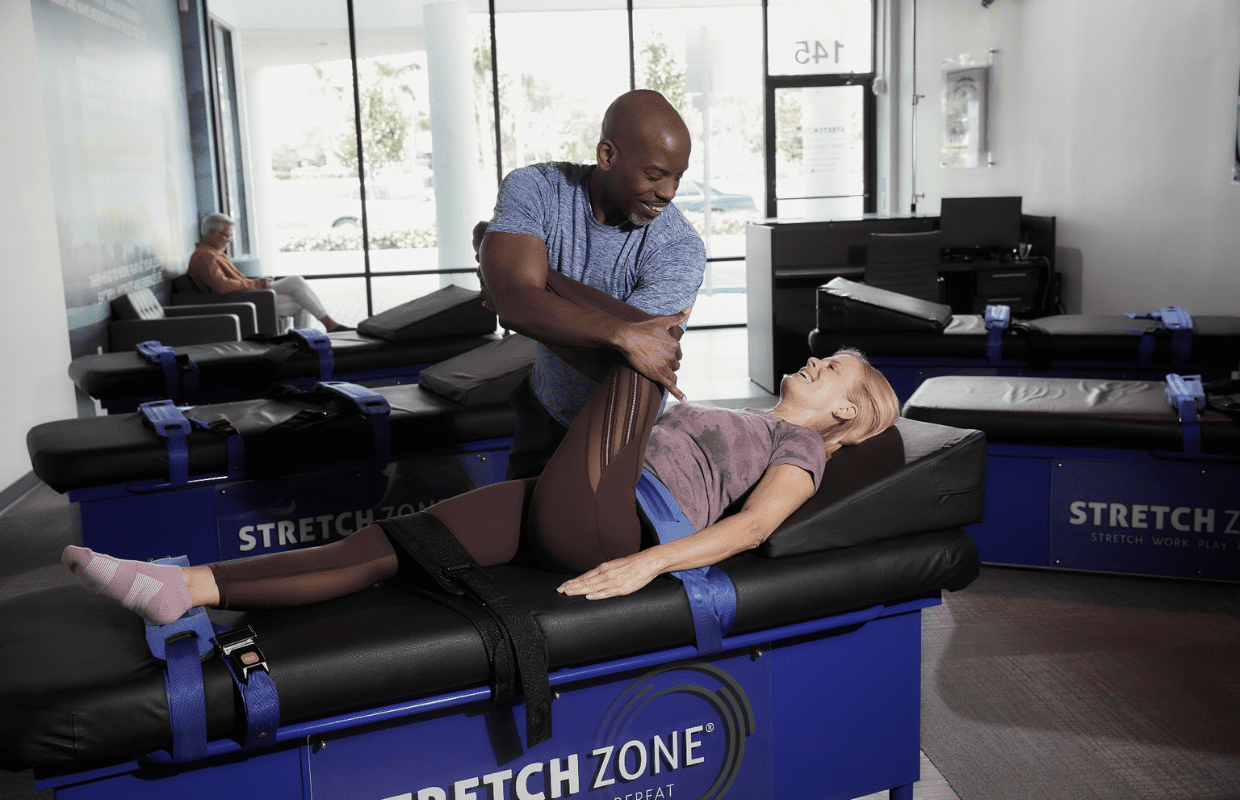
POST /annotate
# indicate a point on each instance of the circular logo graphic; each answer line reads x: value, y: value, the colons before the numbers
x: 692, y: 713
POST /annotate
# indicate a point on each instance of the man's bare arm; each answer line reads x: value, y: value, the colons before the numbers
x: 514, y: 274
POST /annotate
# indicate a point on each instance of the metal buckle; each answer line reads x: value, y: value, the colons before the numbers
x: 239, y: 646
x: 223, y: 426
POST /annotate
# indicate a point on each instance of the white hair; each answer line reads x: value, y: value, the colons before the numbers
x: 215, y: 222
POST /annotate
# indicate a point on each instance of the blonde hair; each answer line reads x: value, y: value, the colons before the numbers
x: 876, y: 403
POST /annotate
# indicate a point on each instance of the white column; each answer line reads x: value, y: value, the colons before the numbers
x: 266, y: 245
x: 454, y: 140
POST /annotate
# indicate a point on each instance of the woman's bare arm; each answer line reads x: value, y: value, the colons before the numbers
x: 782, y: 490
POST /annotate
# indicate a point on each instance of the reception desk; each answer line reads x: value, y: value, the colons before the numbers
x: 787, y: 260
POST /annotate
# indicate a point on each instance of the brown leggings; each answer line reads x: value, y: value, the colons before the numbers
x: 579, y: 513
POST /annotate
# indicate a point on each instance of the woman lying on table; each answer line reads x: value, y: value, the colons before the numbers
x: 581, y: 514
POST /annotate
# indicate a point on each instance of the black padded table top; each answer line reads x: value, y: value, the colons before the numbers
x: 254, y: 366
x: 1067, y: 411
x: 886, y: 324
x: 101, y: 451
x: 86, y: 689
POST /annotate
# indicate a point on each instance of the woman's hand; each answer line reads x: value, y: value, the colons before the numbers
x: 614, y: 578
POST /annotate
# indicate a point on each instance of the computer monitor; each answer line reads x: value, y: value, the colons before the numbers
x: 972, y: 224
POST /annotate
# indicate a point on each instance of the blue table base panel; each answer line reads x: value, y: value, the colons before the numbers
x: 229, y: 371
x: 913, y: 340
x: 383, y: 693
x: 1099, y: 475
x: 217, y: 519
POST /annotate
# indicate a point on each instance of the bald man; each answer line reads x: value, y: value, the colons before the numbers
x: 610, y: 226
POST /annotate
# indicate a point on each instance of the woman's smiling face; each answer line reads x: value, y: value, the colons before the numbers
x: 822, y: 387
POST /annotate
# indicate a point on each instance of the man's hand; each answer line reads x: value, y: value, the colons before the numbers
x: 614, y: 578
x: 653, y: 349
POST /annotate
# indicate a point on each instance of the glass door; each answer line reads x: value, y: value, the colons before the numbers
x: 820, y: 109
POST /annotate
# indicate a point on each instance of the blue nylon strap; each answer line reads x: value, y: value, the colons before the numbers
x: 1181, y: 326
x: 712, y: 597
x: 181, y: 644
x: 259, y: 697
x: 998, y: 318
x: 170, y: 425
x: 1174, y: 319
x: 232, y: 440
x: 1187, y: 396
x: 320, y: 343
x: 180, y: 374
x: 374, y: 406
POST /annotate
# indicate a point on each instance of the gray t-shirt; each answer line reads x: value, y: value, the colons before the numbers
x: 709, y: 457
x: 657, y: 269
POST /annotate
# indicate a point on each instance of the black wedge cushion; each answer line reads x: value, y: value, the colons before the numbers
x: 487, y: 374
x: 451, y: 311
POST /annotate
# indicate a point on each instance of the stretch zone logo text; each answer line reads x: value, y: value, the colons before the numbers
x: 561, y: 777
x: 1149, y: 517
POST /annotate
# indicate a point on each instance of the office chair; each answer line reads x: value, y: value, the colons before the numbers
x: 907, y: 263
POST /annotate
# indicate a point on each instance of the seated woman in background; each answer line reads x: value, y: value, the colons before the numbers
x: 581, y: 514
x: 212, y: 271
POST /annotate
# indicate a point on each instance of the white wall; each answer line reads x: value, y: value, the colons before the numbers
x: 1118, y: 117
x: 35, y: 353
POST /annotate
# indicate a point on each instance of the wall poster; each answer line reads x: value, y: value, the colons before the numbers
x: 117, y: 129
x: 966, y: 89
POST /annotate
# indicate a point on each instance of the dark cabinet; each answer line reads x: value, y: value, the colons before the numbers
x: 786, y: 262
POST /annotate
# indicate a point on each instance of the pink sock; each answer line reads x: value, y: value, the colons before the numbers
x: 155, y: 591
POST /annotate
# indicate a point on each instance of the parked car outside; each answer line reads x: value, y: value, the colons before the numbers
x: 689, y: 197
x: 387, y: 209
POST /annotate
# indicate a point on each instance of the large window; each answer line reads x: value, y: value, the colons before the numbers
x: 377, y: 132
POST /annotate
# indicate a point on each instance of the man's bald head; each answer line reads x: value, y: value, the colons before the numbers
x: 646, y: 116
x: 641, y: 158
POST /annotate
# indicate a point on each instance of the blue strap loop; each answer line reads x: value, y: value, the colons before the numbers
x: 1174, y: 319
x: 712, y: 597
x: 1187, y: 396
x: 170, y: 425
x: 181, y: 645
x: 180, y: 372
x: 998, y: 318
x: 374, y: 405
x: 232, y: 440
x: 320, y: 343
x: 249, y: 670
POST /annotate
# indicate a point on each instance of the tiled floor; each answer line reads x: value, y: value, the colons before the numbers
x: 715, y: 366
